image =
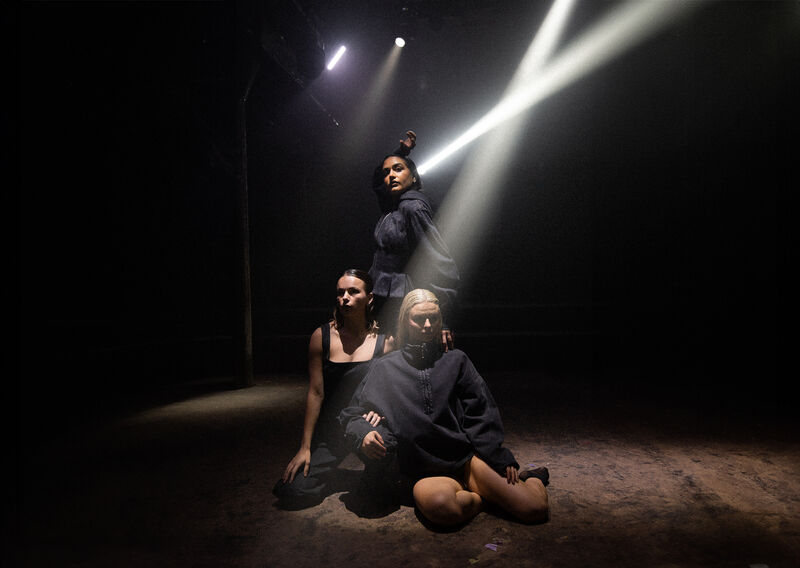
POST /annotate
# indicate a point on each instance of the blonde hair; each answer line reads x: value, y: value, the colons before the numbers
x: 418, y: 296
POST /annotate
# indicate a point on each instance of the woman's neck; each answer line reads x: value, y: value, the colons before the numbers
x: 352, y: 335
x: 355, y: 327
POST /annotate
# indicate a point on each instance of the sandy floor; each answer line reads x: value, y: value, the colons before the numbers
x: 633, y: 483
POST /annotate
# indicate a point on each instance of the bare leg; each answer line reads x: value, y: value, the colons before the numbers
x: 444, y: 501
x: 526, y: 500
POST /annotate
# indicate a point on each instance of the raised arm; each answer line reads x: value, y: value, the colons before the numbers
x: 408, y: 144
x: 316, y: 393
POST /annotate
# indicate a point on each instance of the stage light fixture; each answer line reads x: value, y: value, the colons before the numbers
x: 336, y: 57
x: 399, y: 42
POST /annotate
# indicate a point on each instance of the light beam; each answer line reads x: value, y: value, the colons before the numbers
x: 466, y: 211
x: 468, y: 207
x: 359, y: 127
x: 618, y: 32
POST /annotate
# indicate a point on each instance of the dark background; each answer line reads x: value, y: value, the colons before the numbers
x: 642, y: 234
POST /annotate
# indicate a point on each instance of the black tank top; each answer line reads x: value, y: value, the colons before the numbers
x: 340, y: 382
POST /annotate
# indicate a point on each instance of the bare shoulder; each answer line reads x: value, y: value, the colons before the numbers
x: 315, y: 343
x: 317, y: 335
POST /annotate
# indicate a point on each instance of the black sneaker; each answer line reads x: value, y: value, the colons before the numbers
x: 539, y: 473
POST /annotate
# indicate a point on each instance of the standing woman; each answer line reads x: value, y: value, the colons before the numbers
x: 338, y: 357
x: 406, y: 230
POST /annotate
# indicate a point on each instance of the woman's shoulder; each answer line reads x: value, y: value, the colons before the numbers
x: 322, y: 334
x: 324, y: 329
x: 315, y: 344
x: 456, y: 358
x: 391, y: 355
x: 455, y: 355
x: 413, y: 200
x: 387, y: 360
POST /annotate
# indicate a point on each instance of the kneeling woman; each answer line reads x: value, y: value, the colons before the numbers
x: 338, y: 357
x: 441, y: 421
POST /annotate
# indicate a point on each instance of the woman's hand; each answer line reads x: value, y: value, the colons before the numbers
x: 372, y: 446
x: 301, y: 459
x: 373, y: 418
x: 512, y: 475
x: 410, y: 141
x: 447, y: 339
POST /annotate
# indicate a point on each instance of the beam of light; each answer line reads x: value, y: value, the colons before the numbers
x: 217, y: 407
x: 379, y: 87
x: 400, y: 42
x: 618, y: 32
x: 465, y: 211
x: 543, y: 44
x: 336, y: 57
x: 370, y: 108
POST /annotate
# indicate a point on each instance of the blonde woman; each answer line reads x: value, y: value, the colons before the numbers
x: 441, y: 425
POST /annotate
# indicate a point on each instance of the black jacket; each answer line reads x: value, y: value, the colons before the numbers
x: 404, y: 229
x: 438, y: 412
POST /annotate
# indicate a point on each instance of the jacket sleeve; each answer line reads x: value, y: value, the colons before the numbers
x: 352, y: 421
x: 481, y: 420
x: 433, y: 268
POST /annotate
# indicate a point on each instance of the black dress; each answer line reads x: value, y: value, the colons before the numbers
x: 328, y: 447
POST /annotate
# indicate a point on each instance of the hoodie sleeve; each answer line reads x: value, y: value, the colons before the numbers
x: 481, y: 419
x: 352, y: 421
x: 352, y: 418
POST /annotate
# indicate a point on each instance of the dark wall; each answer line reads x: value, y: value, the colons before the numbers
x: 643, y: 224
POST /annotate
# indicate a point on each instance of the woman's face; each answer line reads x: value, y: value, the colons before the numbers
x: 424, y: 322
x: 396, y: 176
x: 352, y: 296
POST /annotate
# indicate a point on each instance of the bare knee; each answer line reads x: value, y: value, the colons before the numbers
x: 535, y: 508
x: 439, y: 507
x: 447, y: 507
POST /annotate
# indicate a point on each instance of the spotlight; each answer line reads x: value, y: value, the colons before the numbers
x: 336, y: 57
x: 399, y: 42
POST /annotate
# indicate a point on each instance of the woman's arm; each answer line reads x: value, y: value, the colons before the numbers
x: 408, y: 144
x: 359, y: 419
x: 482, y: 424
x: 316, y: 393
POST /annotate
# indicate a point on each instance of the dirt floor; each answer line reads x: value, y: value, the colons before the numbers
x: 637, y: 479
